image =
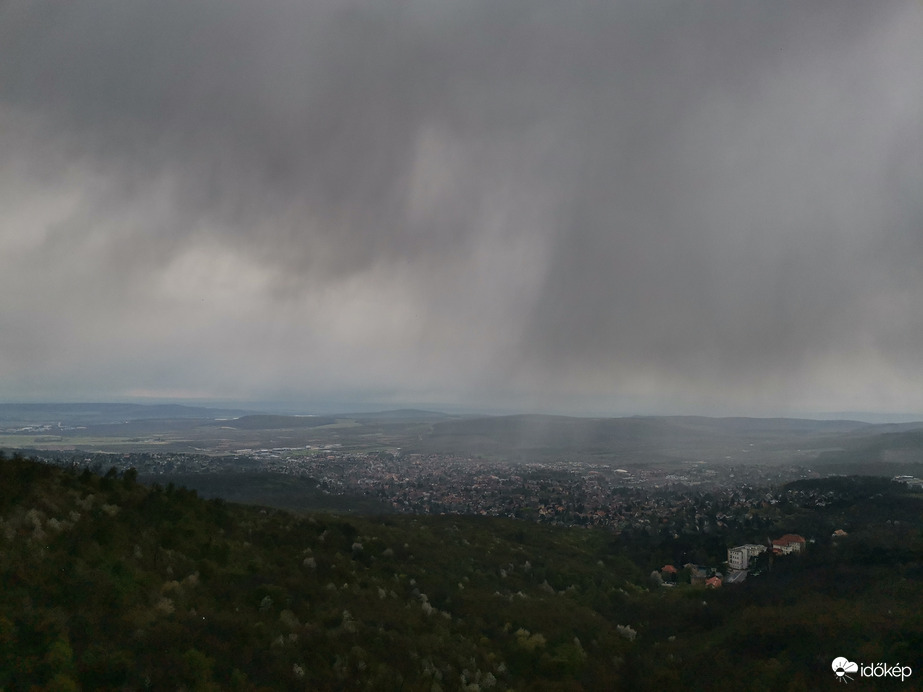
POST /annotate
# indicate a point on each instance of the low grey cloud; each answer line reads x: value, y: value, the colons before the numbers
x: 608, y: 207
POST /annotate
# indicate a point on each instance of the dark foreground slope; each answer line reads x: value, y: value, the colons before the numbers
x: 109, y: 584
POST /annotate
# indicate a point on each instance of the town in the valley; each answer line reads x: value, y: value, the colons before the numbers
x: 718, y: 517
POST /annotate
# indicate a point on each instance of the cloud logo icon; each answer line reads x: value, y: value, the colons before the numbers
x: 841, y: 666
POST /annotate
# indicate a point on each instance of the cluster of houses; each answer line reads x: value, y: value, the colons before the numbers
x: 739, y: 559
x: 697, y: 575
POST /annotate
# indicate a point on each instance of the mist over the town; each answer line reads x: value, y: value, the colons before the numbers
x: 581, y: 207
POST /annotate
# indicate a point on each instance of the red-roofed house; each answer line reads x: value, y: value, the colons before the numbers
x: 789, y: 543
x: 713, y: 582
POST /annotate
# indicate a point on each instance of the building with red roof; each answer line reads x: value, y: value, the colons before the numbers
x: 789, y: 543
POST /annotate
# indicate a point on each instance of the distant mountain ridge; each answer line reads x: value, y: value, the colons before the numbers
x: 101, y: 413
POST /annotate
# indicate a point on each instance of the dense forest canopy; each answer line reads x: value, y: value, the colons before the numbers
x: 111, y: 584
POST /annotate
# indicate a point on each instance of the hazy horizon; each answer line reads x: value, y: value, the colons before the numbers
x: 636, y: 207
x: 354, y: 408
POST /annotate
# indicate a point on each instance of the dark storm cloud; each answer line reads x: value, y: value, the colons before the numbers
x: 632, y: 204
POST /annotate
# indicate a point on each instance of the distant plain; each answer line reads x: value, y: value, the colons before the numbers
x: 116, y: 428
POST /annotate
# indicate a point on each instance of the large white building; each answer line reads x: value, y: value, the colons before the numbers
x: 739, y: 557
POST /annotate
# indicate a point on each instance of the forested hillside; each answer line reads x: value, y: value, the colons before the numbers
x: 110, y: 584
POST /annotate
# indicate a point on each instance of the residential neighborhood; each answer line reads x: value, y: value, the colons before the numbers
x: 690, y: 514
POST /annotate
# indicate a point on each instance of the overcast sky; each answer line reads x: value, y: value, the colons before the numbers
x: 584, y: 207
